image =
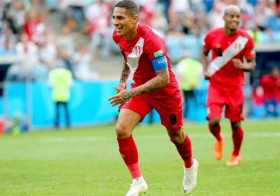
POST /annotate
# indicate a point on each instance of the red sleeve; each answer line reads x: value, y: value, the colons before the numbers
x: 265, y: 81
x: 249, y: 52
x: 154, y: 46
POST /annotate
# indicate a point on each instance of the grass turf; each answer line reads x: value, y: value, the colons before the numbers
x: 86, y: 162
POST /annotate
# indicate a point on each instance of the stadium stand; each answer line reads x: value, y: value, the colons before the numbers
x: 35, y: 34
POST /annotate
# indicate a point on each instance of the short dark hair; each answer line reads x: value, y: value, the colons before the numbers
x: 130, y: 5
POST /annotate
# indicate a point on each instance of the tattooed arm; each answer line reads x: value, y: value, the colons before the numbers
x: 160, y: 81
x: 124, y: 77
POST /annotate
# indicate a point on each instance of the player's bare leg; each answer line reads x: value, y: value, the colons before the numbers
x: 215, y: 129
x: 237, y: 138
x: 126, y: 122
x: 184, y: 148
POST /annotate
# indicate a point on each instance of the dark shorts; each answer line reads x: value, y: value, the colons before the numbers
x: 169, y: 109
x: 229, y: 99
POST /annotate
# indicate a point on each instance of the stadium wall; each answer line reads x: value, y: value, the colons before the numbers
x: 32, y: 102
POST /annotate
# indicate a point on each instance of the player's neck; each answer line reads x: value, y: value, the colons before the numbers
x: 132, y: 34
x: 229, y: 31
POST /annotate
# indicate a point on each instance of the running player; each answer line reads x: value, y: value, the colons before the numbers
x: 154, y: 86
x: 231, y: 54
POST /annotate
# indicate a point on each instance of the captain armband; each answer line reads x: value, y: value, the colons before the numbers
x: 159, y: 63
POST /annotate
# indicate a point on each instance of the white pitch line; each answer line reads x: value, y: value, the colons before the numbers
x: 164, y: 137
x: 66, y: 139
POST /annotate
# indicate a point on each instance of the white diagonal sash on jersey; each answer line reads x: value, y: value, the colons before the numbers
x: 134, y: 56
x: 228, y: 54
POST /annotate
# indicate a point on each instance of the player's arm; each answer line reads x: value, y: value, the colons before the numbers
x: 161, y: 79
x: 124, y: 76
x: 205, y: 61
x: 246, y: 65
x: 205, y: 54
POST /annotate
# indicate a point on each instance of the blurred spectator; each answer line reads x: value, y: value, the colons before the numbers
x: 147, y: 11
x: 258, y: 96
x: 273, y: 22
x: 98, y: 15
x: 47, y: 51
x: 7, y: 41
x: 61, y: 80
x: 188, y: 23
x: 247, y: 15
x: 33, y: 25
x: 175, y: 44
x: 27, y: 51
x: 28, y: 54
x: 74, y: 13
x: 66, y: 48
x: 215, y: 16
x: 165, y: 6
x: 159, y: 22
x: 194, y: 37
x: 262, y: 12
x: 66, y: 60
x: 177, y: 11
x: 83, y: 62
x: 65, y: 40
x: 257, y: 109
x: 14, y: 14
x: 271, y: 87
x: 189, y: 74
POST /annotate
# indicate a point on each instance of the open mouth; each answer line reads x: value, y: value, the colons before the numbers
x: 119, y: 29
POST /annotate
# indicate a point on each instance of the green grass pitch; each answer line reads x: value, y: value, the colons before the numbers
x: 86, y: 162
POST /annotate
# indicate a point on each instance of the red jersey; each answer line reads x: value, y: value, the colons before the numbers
x: 139, y: 53
x: 271, y: 86
x: 223, y: 49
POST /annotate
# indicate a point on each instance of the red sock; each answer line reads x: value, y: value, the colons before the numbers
x: 216, y: 131
x: 129, y: 153
x: 237, y: 138
x: 185, y: 151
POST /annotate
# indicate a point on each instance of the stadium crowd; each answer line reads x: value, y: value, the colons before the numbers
x: 37, y: 35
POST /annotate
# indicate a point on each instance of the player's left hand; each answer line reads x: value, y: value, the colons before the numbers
x: 120, y: 98
x: 238, y: 63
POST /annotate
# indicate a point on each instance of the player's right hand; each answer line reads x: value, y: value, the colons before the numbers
x: 121, y: 87
x: 120, y: 98
x: 238, y: 63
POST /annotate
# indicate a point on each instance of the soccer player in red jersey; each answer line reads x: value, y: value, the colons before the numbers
x: 154, y: 86
x: 232, y: 53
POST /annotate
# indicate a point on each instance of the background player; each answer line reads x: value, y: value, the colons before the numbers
x: 231, y: 54
x: 154, y: 86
